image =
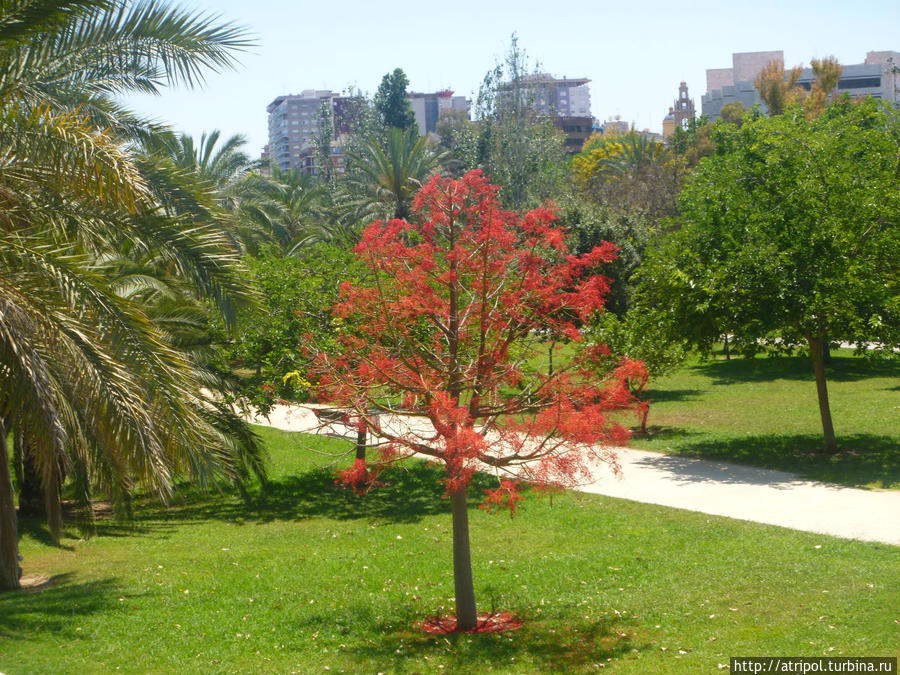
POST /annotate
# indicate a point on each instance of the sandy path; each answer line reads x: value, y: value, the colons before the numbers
x: 718, y: 488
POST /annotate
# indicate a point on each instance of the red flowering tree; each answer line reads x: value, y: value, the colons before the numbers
x: 452, y: 328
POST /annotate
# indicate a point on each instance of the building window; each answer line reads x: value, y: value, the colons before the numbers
x: 859, y: 83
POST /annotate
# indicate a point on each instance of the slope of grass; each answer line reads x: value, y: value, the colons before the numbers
x: 764, y: 412
x: 308, y: 578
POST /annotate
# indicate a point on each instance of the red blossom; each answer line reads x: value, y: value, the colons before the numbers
x: 358, y: 477
x: 457, y: 306
x: 506, y: 496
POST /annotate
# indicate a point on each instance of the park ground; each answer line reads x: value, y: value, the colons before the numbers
x: 307, y: 577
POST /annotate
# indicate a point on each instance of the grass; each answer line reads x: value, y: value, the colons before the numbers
x: 308, y: 578
x: 764, y: 412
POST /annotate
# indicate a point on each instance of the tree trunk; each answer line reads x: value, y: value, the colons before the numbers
x: 644, y: 421
x: 817, y: 353
x: 550, y: 355
x: 361, y: 444
x: 31, y: 493
x: 466, y: 616
x: 726, y: 349
x: 10, y: 572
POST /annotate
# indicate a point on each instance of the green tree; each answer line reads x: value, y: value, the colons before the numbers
x: 88, y: 376
x: 298, y: 293
x: 323, y: 141
x: 255, y: 204
x: 392, y: 102
x: 790, y: 236
x: 733, y: 113
x: 589, y: 225
x: 458, y: 139
x: 220, y: 164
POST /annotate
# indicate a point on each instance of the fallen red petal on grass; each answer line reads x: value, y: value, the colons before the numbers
x: 486, y: 623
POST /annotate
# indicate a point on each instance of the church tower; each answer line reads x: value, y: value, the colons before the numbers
x: 683, y: 110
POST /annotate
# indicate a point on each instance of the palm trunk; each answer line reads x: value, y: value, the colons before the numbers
x: 18, y: 459
x: 53, y: 502
x: 31, y: 493
x: 466, y: 615
x: 817, y: 353
x: 10, y: 572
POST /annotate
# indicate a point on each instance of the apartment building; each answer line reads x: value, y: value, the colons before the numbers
x: 428, y: 108
x: 293, y: 126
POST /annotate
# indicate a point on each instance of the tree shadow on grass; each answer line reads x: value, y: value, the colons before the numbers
x: 36, y: 529
x: 862, y: 459
x: 668, y: 395
x: 552, y: 645
x: 404, y: 494
x: 55, y: 608
x: 840, y: 369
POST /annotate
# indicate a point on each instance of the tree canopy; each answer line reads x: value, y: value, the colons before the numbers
x: 789, y: 236
x: 392, y: 102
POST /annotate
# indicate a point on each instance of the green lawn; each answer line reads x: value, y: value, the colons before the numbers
x: 764, y: 412
x: 312, y: 579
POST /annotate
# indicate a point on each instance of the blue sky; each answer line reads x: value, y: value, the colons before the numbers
x: 635, y: 53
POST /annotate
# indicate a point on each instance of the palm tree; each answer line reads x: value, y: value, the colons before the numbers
x: 390, y: 175
x: 221, y: 165
x: 86, y: 374
x: 632, y: 153
x: 252, y: 201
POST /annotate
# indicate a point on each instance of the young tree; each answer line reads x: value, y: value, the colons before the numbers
x: 453, y: 325
x: 517, y: 147
x: 323, y: 140
x: 828, y: 73
x: 791, y: 232
x: 458, y: 139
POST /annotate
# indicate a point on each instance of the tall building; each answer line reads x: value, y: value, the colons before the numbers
x: 294, y: 125
x: 878, y: 76
x: 566, y: 101
x: 428, y: 108
x: 681, y: 113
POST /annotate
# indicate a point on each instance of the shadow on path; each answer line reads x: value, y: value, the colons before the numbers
x: 685, y: 470
x: 862, y: 459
